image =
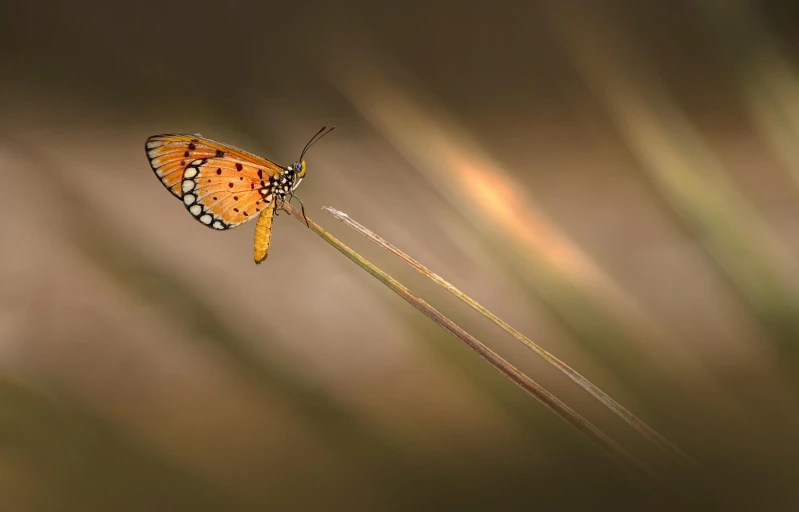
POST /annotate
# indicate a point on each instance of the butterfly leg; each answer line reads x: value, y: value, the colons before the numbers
x: 302, y: 206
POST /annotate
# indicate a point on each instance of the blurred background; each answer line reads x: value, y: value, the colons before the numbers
x: 619, y: 180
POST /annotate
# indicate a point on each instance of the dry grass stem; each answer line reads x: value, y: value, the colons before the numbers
x: 585, y: 427
x: 645, y: 430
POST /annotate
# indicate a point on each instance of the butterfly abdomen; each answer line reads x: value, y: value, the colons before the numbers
x: 263, y: 233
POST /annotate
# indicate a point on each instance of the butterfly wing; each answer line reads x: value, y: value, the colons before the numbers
x: 221, y: 186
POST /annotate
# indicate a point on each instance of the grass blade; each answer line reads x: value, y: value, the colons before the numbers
x: 645, y: 430
x: 585, y: 427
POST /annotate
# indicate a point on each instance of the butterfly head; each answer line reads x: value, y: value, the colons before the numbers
x: 299, y: 168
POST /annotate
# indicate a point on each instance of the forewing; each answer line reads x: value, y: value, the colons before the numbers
x: 219, y: 184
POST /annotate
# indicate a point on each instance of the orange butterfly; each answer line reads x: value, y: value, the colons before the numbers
x: 223, y: 186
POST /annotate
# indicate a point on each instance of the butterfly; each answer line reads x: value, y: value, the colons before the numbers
x: 223, y: 186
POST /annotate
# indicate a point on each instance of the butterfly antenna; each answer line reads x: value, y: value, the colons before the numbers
x: 321, y: 133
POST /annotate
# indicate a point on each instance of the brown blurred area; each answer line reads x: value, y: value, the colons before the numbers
x: 619, y: 180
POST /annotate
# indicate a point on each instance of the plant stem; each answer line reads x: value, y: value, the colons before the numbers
x: 645, y: 430
x: 585, y: 427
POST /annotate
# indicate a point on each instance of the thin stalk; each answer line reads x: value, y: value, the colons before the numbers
x: 585, y: 427
x: 645, y: 430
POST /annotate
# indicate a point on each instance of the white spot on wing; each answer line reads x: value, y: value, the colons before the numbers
x: 196, y: 209
x: 188, y: 186
x: 218, y: 225
x: 151, y: 144
x: 206, y: 219
x: 190, y: 172
x: 197, y: 162
x: 188, y: 199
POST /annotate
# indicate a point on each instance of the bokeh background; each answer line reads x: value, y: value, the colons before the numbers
x: 619, y: 180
